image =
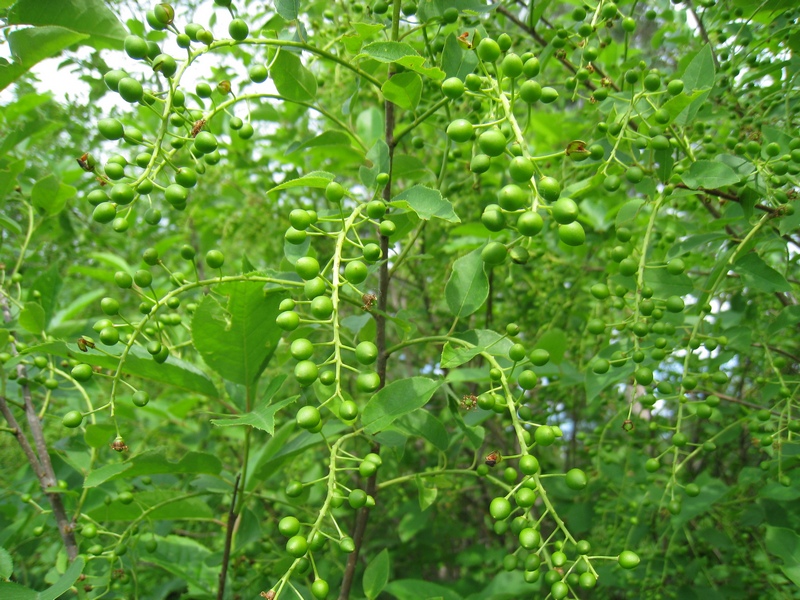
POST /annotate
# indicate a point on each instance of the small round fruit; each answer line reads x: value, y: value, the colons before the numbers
x: 494, y: 253
x: 576, y: 479
x: 307, y: 267
x: 520, y: 169
x: 308, y: 417
x: 205, y: 142
x: 238, y: 29
x: 488, y: 50
x: 572, y: 234
x: 348, y: 410
x: 334, y: 192
x: 368, y: 382
x: 321, y: 307
x: 453, y: 88
x: 527, y: 380
x: 111, y: 129
x: 500, y: 508
x: 565, y: 210
x: 460, y: 130
x: 628, y: 559
x: 306, y: 372
x: 366, y: 353
x: 109, y: 335
x: 544, y: 435
x: 301, y: 349
x: 492, y: 142
x: 141, y: 398
x: 130, y: 89
x: 512, y: 197
x: 529, y: 223
x: 289, y: 526
x: 72, y: 419
x: 356, y: 272
x: 215, y: 259
x: 357, y: 498
x: 82, y: 372
x: 297, y: 546
x: 320, y: 589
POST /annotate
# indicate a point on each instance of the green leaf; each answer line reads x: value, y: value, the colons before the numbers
x: 594, y: 383
x: 427, y: 495
x: 31, y: 46
x: 404, y: 89
x: 50, y: 196
x: 376, y: 575
x: 468, y: 286
x: 416, y: 589
x: 32, y: 318
x: 426, y: 203
x: 6, y: 564
x: 314, y: 179
x: 98, y: 435
x: 788, y: 317
x: 175, y: 372
x: 12, y: 591
x: 378, y: 157
x: 292, y: 80
x: 48, y: 285
x: 628, y: 212
x: 323, y: 140
x: 155, y: 462
x: 699, y: 76
x: 185, y: 559
x: 238, y: 340
x: 162, y: 504
x: 453, y: 357
x: 262, y: 418
x: 421, y: 423
x: 709, y: 174
x: 89, y: 17
x: 402, y: 54
x: 555, y: 342
x: 457, y: 62
x: 785, y: 544
x: 665, y: 285
x: 695, y: 241
x: 397, y: 399
x: 288, y: 9
x: 759, y: 275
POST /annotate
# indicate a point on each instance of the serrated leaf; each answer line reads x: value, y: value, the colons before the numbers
x: 403, y: 89
x: 665, y: 285
x: 785, y: 544
x: 88, y: 17
x: 709, y: 174
x: 376, y: 575
x: 292, y: 80
x: 175, y: 372
x: 6, y: 564
x: 759, y: 275
x: 468, y: 286
x: 288, y: 9
x: 154, y: 462
x: 426, y: 203
x: 395, y: 400
x: 314, y: 179
x: 237, y: 340
x: 453, y: 357
x: 421, y: 423
x: 262, y: 418
x: 402, y: 54
x: 97, y: 435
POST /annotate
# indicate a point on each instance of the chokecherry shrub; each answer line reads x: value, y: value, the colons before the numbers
x: 411, y: 299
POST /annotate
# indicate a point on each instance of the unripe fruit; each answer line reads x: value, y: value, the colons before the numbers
x: 494, y: 253
x: 628, y: 559
x: 460, y: 130
x: 488, y: 50
x: 334, y: 192
x: 72, y: 419
x: 308, y: 417
x: 238, y: 29
x: 307, y: 267
x: 500, y: 508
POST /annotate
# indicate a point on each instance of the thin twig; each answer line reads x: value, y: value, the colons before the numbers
x: 226, y: 553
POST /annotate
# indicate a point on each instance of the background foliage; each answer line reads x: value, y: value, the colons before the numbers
x: 496, y: 300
